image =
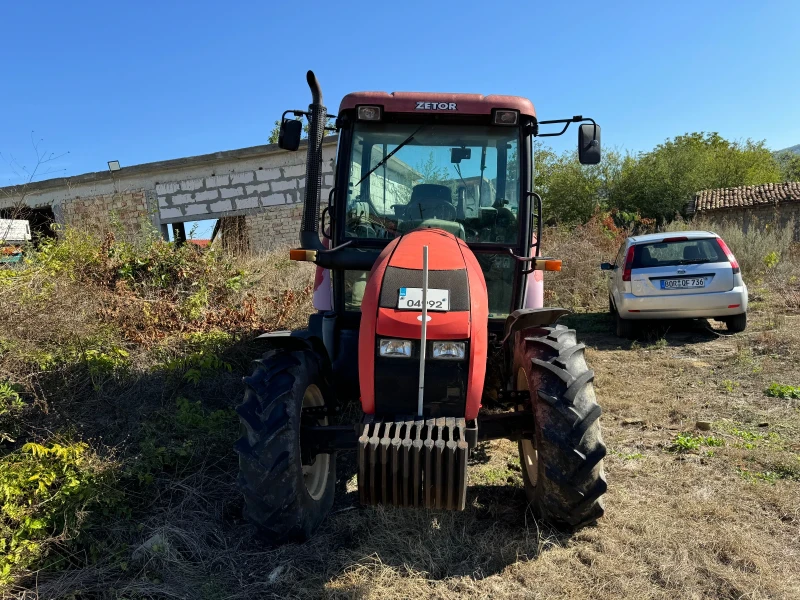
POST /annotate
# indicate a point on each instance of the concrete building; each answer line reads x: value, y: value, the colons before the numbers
x: 263, y: 184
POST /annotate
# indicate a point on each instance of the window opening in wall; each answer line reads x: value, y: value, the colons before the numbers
x: 199, y: 233
x: 40, y: 219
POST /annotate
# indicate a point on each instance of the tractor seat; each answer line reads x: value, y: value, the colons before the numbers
x: 430, y: 201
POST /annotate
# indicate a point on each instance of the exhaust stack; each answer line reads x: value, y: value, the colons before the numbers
x: 309, y: 227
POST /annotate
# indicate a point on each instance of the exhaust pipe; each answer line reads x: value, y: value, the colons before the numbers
x: 309, y: 227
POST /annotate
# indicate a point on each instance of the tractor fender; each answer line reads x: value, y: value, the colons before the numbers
x: 531, y: 317
x: 297, y: 340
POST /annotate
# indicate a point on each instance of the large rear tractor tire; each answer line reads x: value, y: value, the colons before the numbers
x: 562, y: 466
x: 287, y: 495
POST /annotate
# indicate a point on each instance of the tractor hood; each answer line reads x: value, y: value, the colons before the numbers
x: 391, y: 309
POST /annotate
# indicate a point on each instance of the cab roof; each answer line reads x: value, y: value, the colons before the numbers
x: 440, y: 103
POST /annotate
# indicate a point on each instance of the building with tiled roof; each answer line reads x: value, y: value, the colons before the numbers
x: 751, y: 205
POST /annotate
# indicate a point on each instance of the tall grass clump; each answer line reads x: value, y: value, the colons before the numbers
x: 581, y: 285
x: 121, y: 360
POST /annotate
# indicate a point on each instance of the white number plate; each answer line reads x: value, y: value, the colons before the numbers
x: 672, y: 284
x: 411, y: 299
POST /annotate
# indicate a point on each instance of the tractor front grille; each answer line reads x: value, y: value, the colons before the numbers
x: 414, y: 463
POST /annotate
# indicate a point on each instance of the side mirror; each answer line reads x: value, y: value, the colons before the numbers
x: 290, y: 133
x: 606, y: 267
x: 589, y: 144
x: 459, y: 154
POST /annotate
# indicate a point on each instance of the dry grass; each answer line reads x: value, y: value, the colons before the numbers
x: 715, y: 521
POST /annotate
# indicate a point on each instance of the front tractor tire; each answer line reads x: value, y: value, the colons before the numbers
x: 562, y: 465
x: 287, y: 495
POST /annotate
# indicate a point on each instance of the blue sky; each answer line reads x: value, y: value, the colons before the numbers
x: 144, y: 81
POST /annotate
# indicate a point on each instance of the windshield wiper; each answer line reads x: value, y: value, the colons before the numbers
x: 391, y: 154
x: 694, y: 261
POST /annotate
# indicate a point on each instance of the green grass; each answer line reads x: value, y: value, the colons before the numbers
x: 686, y: 442
x: 778, y: 390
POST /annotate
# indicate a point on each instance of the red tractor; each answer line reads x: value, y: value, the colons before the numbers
x: 429, y: 311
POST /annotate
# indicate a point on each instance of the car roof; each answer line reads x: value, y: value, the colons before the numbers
x: 657, y: 237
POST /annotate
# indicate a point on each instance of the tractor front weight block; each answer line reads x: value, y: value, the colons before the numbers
x: 419, y: 463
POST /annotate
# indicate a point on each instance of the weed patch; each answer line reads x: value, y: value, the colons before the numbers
x: 778, y: 390
x: 49, y: 493
x: 686, y: 442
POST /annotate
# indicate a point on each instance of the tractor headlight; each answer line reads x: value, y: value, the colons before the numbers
x: 395, y: 348
x: 449, y: 350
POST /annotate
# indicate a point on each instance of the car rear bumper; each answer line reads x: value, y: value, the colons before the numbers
x: 692, y: 306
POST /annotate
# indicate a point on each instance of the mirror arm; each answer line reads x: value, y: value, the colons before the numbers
x: 567, y: 123
x: 296, y: 113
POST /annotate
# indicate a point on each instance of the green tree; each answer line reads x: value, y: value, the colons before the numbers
x: 276, y: 130
x: 659, y: 184
x: 789, y: 163
x: 572, y: 192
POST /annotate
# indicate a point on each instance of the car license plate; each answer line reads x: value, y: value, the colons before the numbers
x: 677, y: 284
x: 411, y: 299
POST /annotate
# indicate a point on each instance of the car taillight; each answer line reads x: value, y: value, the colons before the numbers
x: 681, y: 238
x: 626, y: 272
x: 729, y: 255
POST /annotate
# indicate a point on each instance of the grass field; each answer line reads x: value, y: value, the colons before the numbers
x: 117, y: 474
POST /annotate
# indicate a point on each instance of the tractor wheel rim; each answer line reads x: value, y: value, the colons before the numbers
x: 315, y: 473
x: 530, y: 457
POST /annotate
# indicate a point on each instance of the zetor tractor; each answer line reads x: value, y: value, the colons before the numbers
x: 429, y: 309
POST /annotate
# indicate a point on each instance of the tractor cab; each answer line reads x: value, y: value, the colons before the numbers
x: 434, y: 168
x: 461, y: 163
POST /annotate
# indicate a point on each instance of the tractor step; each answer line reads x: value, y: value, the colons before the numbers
x: 414, y: 463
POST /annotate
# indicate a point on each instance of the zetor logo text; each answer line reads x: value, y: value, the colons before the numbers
x: 436, y: 106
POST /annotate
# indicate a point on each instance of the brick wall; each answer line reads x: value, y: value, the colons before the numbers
x: 98, y: 213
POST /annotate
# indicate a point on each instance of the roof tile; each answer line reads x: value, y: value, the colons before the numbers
x: 747, y: 195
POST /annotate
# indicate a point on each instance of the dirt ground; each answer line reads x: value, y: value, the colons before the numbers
x: 690, y: 514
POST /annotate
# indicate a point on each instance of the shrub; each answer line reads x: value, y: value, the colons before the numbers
x: 47, y: 493
x: 581, y: 283
x: 11, y: 406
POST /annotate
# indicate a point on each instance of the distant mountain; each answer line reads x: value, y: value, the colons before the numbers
x: 795, y: 149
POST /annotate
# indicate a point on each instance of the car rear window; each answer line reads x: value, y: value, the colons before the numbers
x: 685, y: 252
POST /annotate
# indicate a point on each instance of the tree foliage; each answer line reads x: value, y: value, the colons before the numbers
x: 659, y: 184
x: 276, y: 130
x: 789, y: 164
x: 572, y: 192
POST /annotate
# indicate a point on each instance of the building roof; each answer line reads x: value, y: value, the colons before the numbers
x: 146, y: 168
x: 431, y: 102
x: 766, y: 194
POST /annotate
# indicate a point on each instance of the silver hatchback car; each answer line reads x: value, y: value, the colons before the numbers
x: 685, y: 275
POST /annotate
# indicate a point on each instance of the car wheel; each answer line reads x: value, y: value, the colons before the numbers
x: 625, y: 327
x: 736, y: 324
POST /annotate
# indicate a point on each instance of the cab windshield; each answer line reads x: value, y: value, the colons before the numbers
x: 463, y: 179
